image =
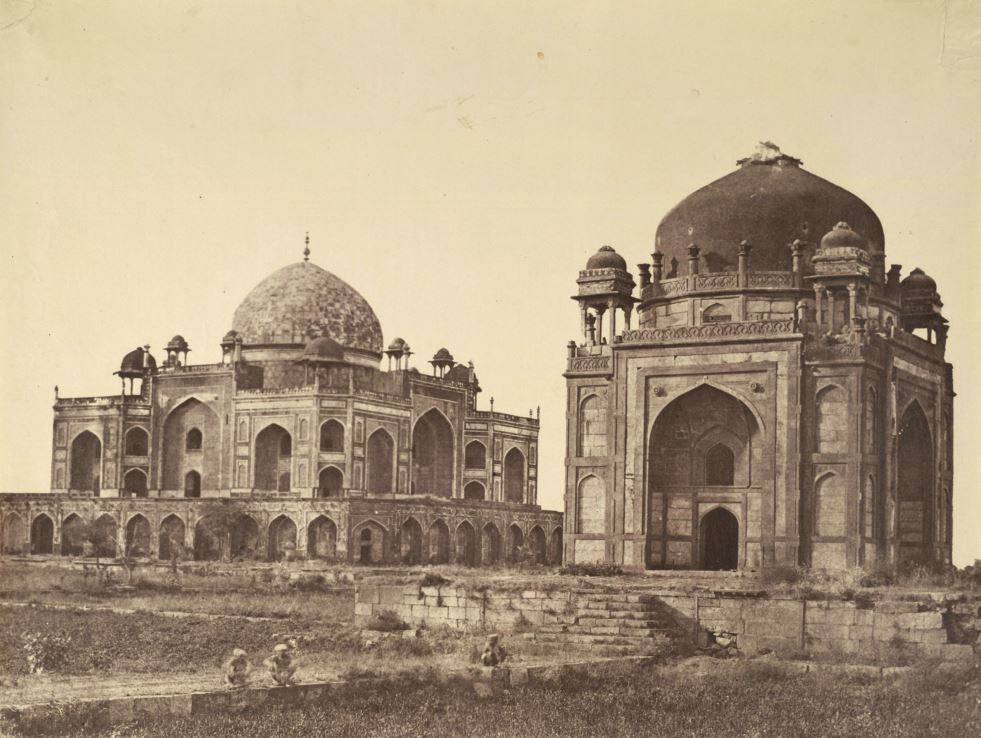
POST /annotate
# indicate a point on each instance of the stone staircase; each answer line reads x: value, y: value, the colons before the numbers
x: 621, y: 623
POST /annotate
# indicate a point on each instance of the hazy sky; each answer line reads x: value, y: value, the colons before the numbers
x: 456, y: 162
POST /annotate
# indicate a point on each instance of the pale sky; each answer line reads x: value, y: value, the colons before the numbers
x: 455, y: 162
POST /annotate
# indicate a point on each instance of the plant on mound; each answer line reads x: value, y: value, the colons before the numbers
x: 434, y: 580
x: 774, y: 575
x: 387, y: 622
x: 593, y: 569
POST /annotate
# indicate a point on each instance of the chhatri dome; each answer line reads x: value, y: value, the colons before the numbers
x: 301, y: 301
x: 770, y: 201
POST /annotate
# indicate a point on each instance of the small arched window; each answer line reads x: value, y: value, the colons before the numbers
x: 719, y: 466
x: 137, y: 442
x: 476, y: 455
x: 194, y: 440
x: 332, y: 436
x: 716, y: 313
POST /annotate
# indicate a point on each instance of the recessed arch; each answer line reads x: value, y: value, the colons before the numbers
x: 331, y: 436
x: 466, y: 544
x: 190, y: 414
x: 514, y: 475
x: 14, y: 534
x: 322, y: 538
x: 537, y: 545
x: 410, y: 542
x: 433, y: 454
x: 42, y: 535
x: 490, y: 545
x: 105, y: 537
x: 718, y: 540
x: 915, y: 482
x: 831, y: 419
x: 590, y: 505
x: 134, y: 483
x: 243, y: 538
x: 193, y: 440
x: 591, y: 439
x: 475, y: 455
x: 719, y: 465
x: 137, y: 442
x: 439, y: 542
x: 273, y: 458
x: 138, y: 536
x: 330, y: 482
x: 716, y: 313
x: 192, y: 484
x: 515, y: 543
x: 380, y: 463
x: 735, y: 394
x: 73, y: 535
x: 172, y: 538
x: 555, y: 547
x: 282, y: 538
x: 474, y: 491
x: 86, y: 462
x: 369, y: 541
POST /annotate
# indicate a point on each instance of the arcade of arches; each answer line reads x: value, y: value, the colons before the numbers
x: 256, y: 530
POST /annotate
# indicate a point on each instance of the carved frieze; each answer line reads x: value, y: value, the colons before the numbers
x: 712, y: 330
x: 591, y: 364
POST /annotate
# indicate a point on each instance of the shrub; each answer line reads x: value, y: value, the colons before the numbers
x: 433, y: 580
x: 387, y: 621
x: 593, y: 569
x: 781, y: 575
x: 45, y: 651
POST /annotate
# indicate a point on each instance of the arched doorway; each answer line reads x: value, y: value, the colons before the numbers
x: 380, y: 460
x: 273, y: 456
x: 718, y: 541
x: 475, y: 456
x: 192, y: 484
x: 703, y: 439
x: 207, y: 541
x: 86, y: 462
x: 13, y: 534
x: 191, y: 435
x: 42, y: 535
x: 322, y: 538
x: 490, y: 553
x: 432, y: 455
x: 282, y: 539
x: 330, y: 483
x: 915, y: 482
x: 536, y: 544
x: 410, y: 542
x: 172, y: 531
x: 104, y: 543
x: 138, y: 535
x: 466, y: 545
x: 473, y: 491
x: 73, y: 535
x: 134, y: 483
x: 243, y: 538
x: 515, y: 544
x: 370, y: 541
x: 514, y: 476
x: 439, y: 543
x: 332, y: 437
x: 555, y: 547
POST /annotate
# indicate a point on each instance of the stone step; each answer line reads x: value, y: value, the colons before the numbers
x: 631, y: 632
x: 615, y: 597
x: 593, y: 612
x: 599, y: 640
x: 621, y: 623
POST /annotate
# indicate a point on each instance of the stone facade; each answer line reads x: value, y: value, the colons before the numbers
x: 758, y: 418
x: 297, y: 424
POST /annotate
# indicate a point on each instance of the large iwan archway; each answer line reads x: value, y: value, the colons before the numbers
x: 432, y: 455
x: 703, y: 444
x: 86, y: 462
x: 915, y: 482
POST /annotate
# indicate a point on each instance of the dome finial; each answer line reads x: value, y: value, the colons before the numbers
x: 306, y: 247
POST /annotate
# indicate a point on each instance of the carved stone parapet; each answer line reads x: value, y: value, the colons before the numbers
x: 712, y: 330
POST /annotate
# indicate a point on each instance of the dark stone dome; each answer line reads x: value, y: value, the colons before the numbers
x: 842, y: 235
x: 769, y: 201
x: 301, y: 300
x: 443, y: 355
x: 397, y: 345
x: 918, y: 280
x: 606, y: 258
x: 132, y: 363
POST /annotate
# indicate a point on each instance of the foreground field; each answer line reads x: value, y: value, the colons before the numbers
x: 701, y: 698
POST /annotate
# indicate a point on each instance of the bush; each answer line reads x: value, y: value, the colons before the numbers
x: 387, y: 622
x: 45, y: 651
x: 781, y: 575
x: 593, y: 569
x: 434, y: 580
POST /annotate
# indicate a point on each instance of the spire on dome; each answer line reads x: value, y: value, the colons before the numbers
x: 306, y: 248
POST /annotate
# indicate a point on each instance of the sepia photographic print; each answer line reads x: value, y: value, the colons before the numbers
x: 434, y: 368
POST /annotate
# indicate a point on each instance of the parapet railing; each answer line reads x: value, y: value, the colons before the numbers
x: 716, y: 281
